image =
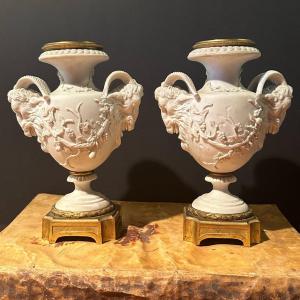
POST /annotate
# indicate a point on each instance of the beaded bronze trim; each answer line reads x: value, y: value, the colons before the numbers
x: 56, y: 213
x: 193, y: 212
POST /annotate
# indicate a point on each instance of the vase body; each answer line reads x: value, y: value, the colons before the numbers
x: 223, y: 124
x: 77, y: 124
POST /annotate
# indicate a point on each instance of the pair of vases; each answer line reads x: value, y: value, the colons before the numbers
x: 221, y: 125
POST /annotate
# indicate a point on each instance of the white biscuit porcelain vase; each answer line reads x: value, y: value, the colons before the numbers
x: 223, y: 124
x: 77, y: 124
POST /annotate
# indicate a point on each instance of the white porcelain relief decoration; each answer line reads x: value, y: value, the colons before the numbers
x: 77, y: 124
x: 223, y: 124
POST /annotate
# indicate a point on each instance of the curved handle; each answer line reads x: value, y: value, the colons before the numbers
x: 26, y: 81
x: 26, y: 105
x: 260, y: 80
x: 175, y: 76
x: 277, y: 97
x: 121, y: 75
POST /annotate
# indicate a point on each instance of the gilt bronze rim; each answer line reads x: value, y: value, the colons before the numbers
x: 214, y: 174
x: 72, y: 45
x: 61, y: 214
x: 86, y: 173
x: 224, y: 42
x: 199, y: 214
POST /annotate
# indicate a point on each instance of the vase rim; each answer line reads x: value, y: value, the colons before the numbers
x: 224, y: 42
x: 71, y: 45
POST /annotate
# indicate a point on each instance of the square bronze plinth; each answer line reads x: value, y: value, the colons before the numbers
x: 197, y: 229
x: 101, y: 229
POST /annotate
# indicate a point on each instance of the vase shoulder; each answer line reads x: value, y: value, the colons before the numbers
x: 218, y: 86
x: 69, y: 89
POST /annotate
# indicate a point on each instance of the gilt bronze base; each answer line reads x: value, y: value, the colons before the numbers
x: 197, y: 227
x: 100, y: 228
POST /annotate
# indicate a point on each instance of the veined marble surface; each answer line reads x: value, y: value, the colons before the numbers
x: 158, y: 266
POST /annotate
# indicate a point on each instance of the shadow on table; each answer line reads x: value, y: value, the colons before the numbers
x: 276, y: 182
x: 215, y: 241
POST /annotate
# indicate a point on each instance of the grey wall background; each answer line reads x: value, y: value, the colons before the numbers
x: 149, y: 39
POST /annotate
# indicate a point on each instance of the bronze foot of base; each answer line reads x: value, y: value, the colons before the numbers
x: 197, y: 228
x: 101, y: 228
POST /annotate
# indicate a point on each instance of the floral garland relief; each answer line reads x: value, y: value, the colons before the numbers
x: 182, y: 115
x: 38, y: 117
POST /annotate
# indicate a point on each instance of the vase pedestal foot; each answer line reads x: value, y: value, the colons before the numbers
x: 197, y: 228
x: 102, y: 228
x: 219, y: 200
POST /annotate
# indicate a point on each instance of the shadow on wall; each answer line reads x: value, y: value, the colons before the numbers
x: 153, y: 181
x: 276, y: 181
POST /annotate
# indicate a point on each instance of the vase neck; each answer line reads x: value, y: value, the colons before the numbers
x: 75, y: 74
x: 223, y: 70
x: 224, y: 63
x: 74, y: 66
